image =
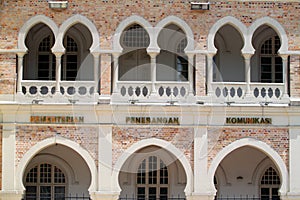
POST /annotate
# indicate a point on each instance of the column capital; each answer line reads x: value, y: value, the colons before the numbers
x: 58, y: 53
x: 284, y: 56
x: 21, y: 53
x: 152, y: 54
x: 116, y: 53
x: 95, y: 53
x: 247, y: 55
x: 211, y: 54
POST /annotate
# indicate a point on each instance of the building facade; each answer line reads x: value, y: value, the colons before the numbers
x: 162, y: 99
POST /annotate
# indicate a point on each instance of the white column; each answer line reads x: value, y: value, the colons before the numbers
x: 96, y: 71
x: 285, y: 74
x: 9, y: 190
x: 105, y: 159
x: 294, y: 158
x: 58, y: 71
x: 153, y: 71
x: 190, y: 73
x: 116, y: 72
x: 201, y: 182
x: 210, y: 57
x: 20, y: 72
x: 247, y: 73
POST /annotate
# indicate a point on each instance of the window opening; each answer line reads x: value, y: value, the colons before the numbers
x: 271, y: 62
x: 46, y: 60
x: 152, y: 179
x: 70, y: 60
x: 45, y: 181
x: 270, y: 183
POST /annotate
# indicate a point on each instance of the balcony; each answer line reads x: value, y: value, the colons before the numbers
x: 158, y: 92
x: 70, y: 91
x: 258, y: 92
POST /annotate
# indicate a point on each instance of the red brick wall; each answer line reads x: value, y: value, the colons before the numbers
x: 7, y: 73
x: 107, y: 15
x: 182, y: 138
x: 276, y: 138
x: 28, y: 136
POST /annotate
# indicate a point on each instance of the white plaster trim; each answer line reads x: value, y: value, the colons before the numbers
x: 277, y: 28
x: 164, y: 145
x: 134, y: 19
x: 29, y: 24
x: 58, y: 46
x: 182, y: 24
x: 28, y: 156
x: 238, y: 25
x: 273, y: 155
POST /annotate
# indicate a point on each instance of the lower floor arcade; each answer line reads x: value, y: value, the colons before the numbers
x: 151, y: 169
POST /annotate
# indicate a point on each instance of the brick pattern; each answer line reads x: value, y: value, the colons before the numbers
x: 276, y: 138
x: 7, y: 74
x: 105, y: 74
x: 107, y: 15
x: 295, y: 76
x: 28, y: 136
x: 182, y: 138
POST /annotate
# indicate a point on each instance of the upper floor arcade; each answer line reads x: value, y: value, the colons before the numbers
x: 153, y: 64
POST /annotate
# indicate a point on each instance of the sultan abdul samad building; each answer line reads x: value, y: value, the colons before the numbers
x: 149, y: 100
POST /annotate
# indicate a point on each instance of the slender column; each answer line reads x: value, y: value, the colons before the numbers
x: 190, y: 73
x: 96, y: 71
x: 210, y: 73
x: 153, y: 71
x: 247, y: 73
x: 58, y: 71
x: 20, y: 72
x: 285, y: 74
x: 116, y: 71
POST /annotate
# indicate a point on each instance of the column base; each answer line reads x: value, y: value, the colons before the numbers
x: 200, y: 197
x: 105, y: 195
x: 11, y: 195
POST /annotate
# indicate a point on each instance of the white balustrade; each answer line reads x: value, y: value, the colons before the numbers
x: 236, y: 92
x: 164, y: 91
x: 267, y: 91
x: 68, y: 89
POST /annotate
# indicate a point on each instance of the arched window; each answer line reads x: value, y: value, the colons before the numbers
x: 135, y: 62
x: 70, y: 60
x: 172, y: 62
x: 152, y: 179
x: 269, y: 185
x: 45, y: 181
x: 270, y: 61
x: 182, y: 61
x: 46, y: 60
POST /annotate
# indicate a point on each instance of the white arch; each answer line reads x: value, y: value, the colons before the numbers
x: 164, y: 145
x: 58, y: 46
x: 49, y: 142
x: 273, y: 155
x: 238, y: 25
x: 134, y: 19
x: 32, y: 22
x: 182, y: 24
x: 277, y: 28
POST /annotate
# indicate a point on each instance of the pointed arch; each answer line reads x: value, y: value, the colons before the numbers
x: 135, y: 19
x: 271, y: 153
x: 29, y: 155
x: 181, y: 24
x: 277, y: 28
x: 162, y: 144
x: 58, y: 46
x: 31, y: 23
x: 238, y: 25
